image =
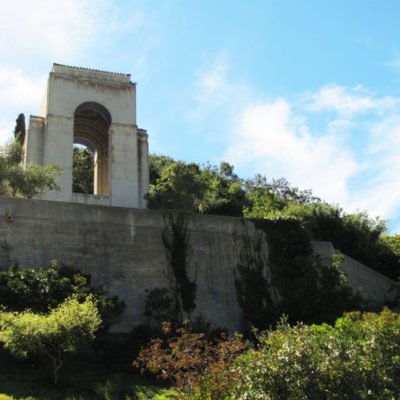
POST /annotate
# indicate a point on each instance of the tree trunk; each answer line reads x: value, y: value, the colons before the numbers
x: 57, y: 360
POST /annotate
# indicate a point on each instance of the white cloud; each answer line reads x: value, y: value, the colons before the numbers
x: 381, y: 192
x: 215, y: 88
x: 279, y: 143
x: 47, y: 28
x: 18, y: 89
x: 212, y: 84
x: 18, y: 93
x: 346, y: 101
x: 340, y: 142
x: 34, y: 35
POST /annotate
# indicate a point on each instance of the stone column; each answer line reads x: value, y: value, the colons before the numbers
x: 124, y: 183
x: 58, y: 150
x: 143, y: 162
x: 33, y: 144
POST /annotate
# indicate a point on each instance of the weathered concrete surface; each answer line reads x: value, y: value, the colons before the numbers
x: 122, y: 249
x: 373, y: 285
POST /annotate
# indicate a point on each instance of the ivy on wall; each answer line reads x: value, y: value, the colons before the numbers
x: 252, y: 280
x: 289, y: 279
x: 176, y: 240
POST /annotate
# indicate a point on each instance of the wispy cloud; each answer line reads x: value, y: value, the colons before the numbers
x: 310, y: 139
x: 381, y: 193
x: 214, y: 87
x: 276, y: 141
x: 18, y: 92
x: 46, y: 28
x: 346, y: 101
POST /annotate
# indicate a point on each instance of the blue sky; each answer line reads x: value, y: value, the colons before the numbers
x: 308, y: 90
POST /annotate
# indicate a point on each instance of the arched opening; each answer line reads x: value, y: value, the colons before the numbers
x: 91, y: 124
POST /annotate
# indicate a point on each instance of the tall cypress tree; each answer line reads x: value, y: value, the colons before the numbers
x: 20, y: 130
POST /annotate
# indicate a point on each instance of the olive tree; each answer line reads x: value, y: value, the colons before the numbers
x: 66, y: 328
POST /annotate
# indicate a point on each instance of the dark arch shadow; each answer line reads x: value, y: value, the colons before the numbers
x: 96, y: 107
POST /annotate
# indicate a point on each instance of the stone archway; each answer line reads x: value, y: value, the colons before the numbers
x: 91, y: 129
x: 77, y: 108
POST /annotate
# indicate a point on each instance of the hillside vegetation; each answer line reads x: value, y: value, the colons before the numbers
x: 208, y: 189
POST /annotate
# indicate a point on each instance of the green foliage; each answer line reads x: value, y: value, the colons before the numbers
x: 356, y: 234
x: 82, y: 170
x: 179, y: 187
x: 224, y: 194
x: 44, y: 289
x: 28, y: 182
x: 289, y: 279
x: 393, y: 243
x: 356, y: 359
x: 176, y: 185
x: 176, y: 240
x: 66, y: 328
x: 270, y: 199
x: 307, y: 290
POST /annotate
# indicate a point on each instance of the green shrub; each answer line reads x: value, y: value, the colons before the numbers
x: 43, y: 289
x: 358, y: 358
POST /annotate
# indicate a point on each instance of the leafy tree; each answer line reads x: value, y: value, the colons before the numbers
x: 393, y: 243
x: 266, y: 199
x: 224, y: 194
x: 157, y: 163
x: 82, y: 170
x: 179, y: 187
x: 66, y: 328
x: 28, y: 182
x: 176, y: 185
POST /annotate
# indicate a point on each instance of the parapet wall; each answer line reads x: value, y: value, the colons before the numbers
x: 122, y: 249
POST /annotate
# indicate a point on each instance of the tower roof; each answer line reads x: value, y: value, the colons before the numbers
x: 90, y: 73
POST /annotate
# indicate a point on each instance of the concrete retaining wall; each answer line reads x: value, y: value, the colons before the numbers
x: 122, y: 249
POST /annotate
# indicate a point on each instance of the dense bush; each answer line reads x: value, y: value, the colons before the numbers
x: 308, y: 290
x: 358, y: 358
x: 43, y: 289
x: 193, y: 363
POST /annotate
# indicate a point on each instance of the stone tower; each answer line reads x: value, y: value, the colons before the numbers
x: 96, y: 109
